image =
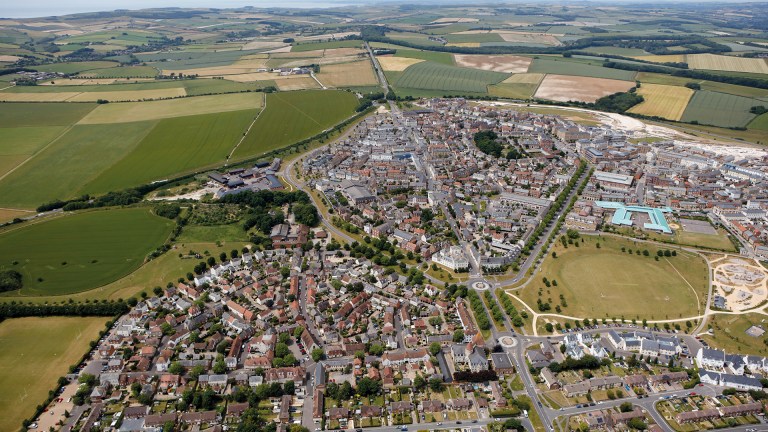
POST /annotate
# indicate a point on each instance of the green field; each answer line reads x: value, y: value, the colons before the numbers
x: 64, y: 167
x: 18, y: 144
x: 433, y: 56
x: 604, y: 282
x: 207, y: 59
x: 121, y: 72
x: 197, y: 87
x: 435, y: 76
x: 78, y: 252
x: 729, y: 334
x: 71, y: 68
x: 470, y: 38
x: 213, y: 233
x: 175, y: 146
x: 290, y: 117
x: 42, y: 114
x: 513, y: 90
x: 562, y: 66
x: 719, y: 109
x: 311, y: 46
x: 759, y: 123
x: 61, y: 86
x: 34, y: 353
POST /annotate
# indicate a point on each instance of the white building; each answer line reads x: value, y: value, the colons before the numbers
x: 452, y: 257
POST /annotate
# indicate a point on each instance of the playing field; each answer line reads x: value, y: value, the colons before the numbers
x: 155, y: 110
x: 496, y: 63
x: 66, y: 165
x: 579, y: 88
x: 664, y: 101
x: 355, y: 74
x: 727, y: 63
x: 435, y: 76
x: 293, y: 116
x: 729, y: 334
x: 719, y: 109
x: 79, y: 252
x: 34, y: 353
x: 555, y: 65
x: 607, y: 282
x: 175, y: 145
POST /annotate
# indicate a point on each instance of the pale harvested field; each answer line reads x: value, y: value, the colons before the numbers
x: 320, y: 61
x: 329, y: 36
x: 727, y: 63
x: 297, y: 82
x: 397, y: 64
x: 254, y: 45
x: 10, y: 214
x: 121, y: 96
x: 669, y: 58
x: 139, y: 111
x: 8, y: 58
x: 542, y: 38
x: 496, y: 63
x: 524, y: 78
x: 283, y: 49
x: 297, y: 54
x: 586, y: 89
x: 359, y: 73
x: 239, y: 67
x: 454, y: 20
x: 664, y: 101
x: 37, y: 97
x: 254, y: 56
x: 465, y: 44
x: 255, y: 76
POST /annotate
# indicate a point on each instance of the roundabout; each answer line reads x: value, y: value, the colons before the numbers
x: 480, y: 285
x: 508, y: 341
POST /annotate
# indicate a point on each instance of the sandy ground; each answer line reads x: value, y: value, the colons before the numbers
x: 56, y: 410
x: 497, y: 63
x: 396, y: 64
x: 564, y: 88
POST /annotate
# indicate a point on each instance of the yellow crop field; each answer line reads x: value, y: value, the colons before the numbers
x: 664, y: 101
x: 359, y: 73
x: 397, y: 64
x: 524, y: 78
x: 727, y: 63
x: 297, y: 82
x: 140, y: 111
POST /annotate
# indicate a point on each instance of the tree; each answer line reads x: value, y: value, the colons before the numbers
x: 434, y: 348
x: 219, y: 367
x: 289, y: 387
x: 318, y: 354
x: 281, y: 350
x: 345, y: 391
x: 637, y: 424
x: 626, y: 407
x: 419, y: 382
x: 436, y: 385
x: 376, y: 349
x: 298, y: 331
x: 458, y: 336
x: 176, y: 368
x: 368, y: 387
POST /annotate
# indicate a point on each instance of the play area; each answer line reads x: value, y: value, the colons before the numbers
x: 740, y: 281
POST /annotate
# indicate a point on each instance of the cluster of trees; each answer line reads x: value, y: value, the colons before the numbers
x: 496, y: 313
x: 481, y: 316
x: 506, y: 303
x: 121, y: 198
x: 263, y: 218
x: 586, y: 362
x: 367, y: 101
x: 486, y: 143
x: 480, y: 376
x: 618, y: 102
x: 10, y: 280
x: 168, y: 210
x: 111, y: 308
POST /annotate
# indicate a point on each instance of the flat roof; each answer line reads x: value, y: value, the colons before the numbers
x: 623, y: 215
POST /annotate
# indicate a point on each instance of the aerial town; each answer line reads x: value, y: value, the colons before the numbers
x: 374, y: 319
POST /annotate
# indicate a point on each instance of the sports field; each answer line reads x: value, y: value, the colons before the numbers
x: 293, y: 116
x: 155, y: 110
x: 604, y: 282
x: 78, y: 252
x: 435, y: 76
x: 175, y: 146
x: 729, y: 334
x: 34, y: 353
x: 719, y: 109
x: 664, y: 101
x: 359, y: 73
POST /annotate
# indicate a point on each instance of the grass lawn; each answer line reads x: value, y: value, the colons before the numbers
x: 78, y: 252
x: 607, y: 282
x: 719, y: 241
x: 34, y: 353
x: 213, y: 233
x: 290, y: 117
x: 729, y: 334
x: 174, y: 146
